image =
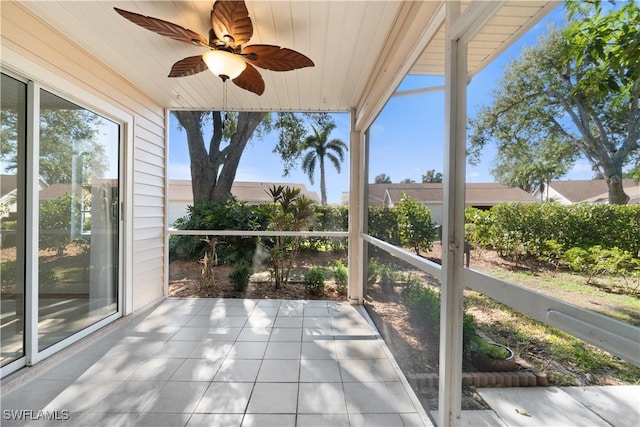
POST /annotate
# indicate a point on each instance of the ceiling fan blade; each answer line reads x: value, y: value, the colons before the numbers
x: 164, y: 28
x: 251, y: 80
x: 231, y: 18
x: 188, y: 66
x: 275, y: 58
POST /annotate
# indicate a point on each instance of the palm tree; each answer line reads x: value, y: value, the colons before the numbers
x: 317, y: 148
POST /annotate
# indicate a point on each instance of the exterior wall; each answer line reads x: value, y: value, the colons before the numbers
x: 37, y: 52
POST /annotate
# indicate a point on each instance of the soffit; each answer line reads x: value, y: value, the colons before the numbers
x: 345, y: 39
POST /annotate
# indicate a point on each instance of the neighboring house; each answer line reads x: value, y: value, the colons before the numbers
x: 8, y: 194
x: 584, y: 191
x: 253, y: 193
x: 376, y: 194
x: 478, y: 195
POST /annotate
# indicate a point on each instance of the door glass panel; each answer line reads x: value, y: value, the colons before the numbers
x: 12, y: 169
x: 78, y: 219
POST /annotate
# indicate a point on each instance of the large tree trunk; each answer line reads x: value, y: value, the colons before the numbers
x: 213, y: 172
x: 247, y: 124
x: 617, y: 196
x: 611, y: 167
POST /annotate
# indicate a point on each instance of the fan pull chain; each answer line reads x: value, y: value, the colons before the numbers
x: 224, y: 103
x: 224, y: 96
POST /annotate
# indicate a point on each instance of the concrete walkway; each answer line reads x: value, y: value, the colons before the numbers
x: 565, y: 406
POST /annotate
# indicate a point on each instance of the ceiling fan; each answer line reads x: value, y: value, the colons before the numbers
x: 226, y: 56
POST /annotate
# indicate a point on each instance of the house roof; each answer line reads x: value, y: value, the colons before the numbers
x: 250, y: 192
x: 632, y: 191
x: 54, y: 191
x: 588, y: 190
x: 7, y: 184
x: 361, y: 49
x: 476, y: 194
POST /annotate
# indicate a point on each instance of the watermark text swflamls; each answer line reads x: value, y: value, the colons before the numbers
x: 31, y: 415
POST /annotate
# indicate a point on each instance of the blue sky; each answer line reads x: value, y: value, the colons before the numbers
x: 407, y: 138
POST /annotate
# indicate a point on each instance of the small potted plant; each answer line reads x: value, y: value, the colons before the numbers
x: 490, y: 356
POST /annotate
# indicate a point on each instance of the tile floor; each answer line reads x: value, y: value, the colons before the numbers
x: 225, y: 362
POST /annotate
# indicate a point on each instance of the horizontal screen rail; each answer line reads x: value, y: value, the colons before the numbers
x: 256, y: 233
x: 417, y: 261
x: 611, y: 335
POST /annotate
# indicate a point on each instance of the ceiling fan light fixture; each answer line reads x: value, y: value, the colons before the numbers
x: 223, y: 64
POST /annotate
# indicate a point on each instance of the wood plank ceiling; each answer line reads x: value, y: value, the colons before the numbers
x: 345, y: 39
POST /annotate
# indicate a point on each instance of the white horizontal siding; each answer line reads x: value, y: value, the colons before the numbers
x: 32, y: 39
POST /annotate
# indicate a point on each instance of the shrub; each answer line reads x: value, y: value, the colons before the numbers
x: 383, y: 224
x: 423, y: 302
x: 57, y: 220
x: 290, y: 211
x: 208, y: 215
x: 388, y: 278
x: 314, y: 281
x: 515, y: 229
x: 373, y: 271
x: 341, y: 277
x: 415, y: 227
x: 239, y: 277
x: 596, y: 261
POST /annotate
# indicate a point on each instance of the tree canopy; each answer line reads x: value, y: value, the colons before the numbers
x: 316, y: 148
x: 432, y: 177
x: 383, y: 178
x: 64, y: 133
x: 214, y: 164
x: 575, y: 93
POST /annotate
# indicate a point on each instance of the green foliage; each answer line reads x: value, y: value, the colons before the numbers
x: 208, y: 215
x: 424, y: 302
x: 329, y: 218
x: 317, y: 147
x: 479, y: 226
x: 383, y: 178
x: 341, y: 277
x: 383, y: 224
x: 482, y: 346
x: 606, y: 45
x: 593, y: 239
x: 415, y: 227
x: 314, y: 281
x: 56, y: 219
x: 432, y: 176
x: 292, y: 129
x: 239, y: 277
x: 613, y: 262
x: 469, y: 327
x: 542, y: 230
x: 373, y: 271
x: 388, y: 278
x: 573, y: 92
x: 290, y: 212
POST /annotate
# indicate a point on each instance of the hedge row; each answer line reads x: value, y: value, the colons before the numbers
x: 408, y: 224
x: 516, y: 229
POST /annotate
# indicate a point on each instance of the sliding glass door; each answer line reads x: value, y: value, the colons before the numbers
x: 78, y: 219
x: 12, y: 217
x: 59, y: 221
